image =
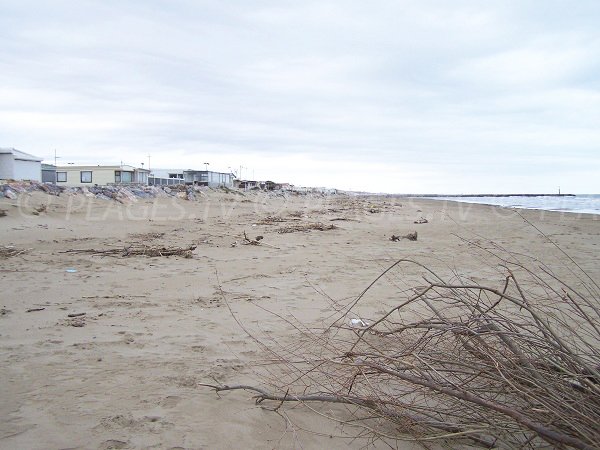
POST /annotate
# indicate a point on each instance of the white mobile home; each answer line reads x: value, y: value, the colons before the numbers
x: 100, y: 175
x: 18, y: 165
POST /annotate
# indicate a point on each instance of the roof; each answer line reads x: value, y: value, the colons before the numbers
x: 19, y: 154
x: 124, y: 167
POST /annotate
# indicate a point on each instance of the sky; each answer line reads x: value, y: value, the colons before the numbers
x: 380, y: 96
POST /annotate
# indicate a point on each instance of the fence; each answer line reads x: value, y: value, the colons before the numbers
x: 155, y: 181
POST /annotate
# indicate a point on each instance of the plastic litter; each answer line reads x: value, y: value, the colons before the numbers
x: 358, y: 323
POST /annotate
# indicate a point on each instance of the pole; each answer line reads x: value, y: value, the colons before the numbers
x: 55, y: 172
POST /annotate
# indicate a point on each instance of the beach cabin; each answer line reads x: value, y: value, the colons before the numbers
x: 166, y: 177
x: 18, y: 165
x: 72, y: 175
x: 208, y: 178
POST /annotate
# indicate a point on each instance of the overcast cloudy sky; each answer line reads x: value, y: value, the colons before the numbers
x: 390, y: 96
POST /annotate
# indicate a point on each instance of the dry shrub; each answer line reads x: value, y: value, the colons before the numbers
x: 513, y: 363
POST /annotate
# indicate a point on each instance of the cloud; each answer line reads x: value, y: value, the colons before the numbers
x: 401, y: 96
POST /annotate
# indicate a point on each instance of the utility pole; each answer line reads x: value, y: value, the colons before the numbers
x: 148, y: 162
x: 55, y: 172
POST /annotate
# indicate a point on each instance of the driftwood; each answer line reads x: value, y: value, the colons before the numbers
x: 138, y: 250
x: 9, y: 251
x: 306, y: 227
x: 269, y: 220
x: 146, y: 236
x: 256, y: 241
x: 412, y: 236
x: 511, y: 364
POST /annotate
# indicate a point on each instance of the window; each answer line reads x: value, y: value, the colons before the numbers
x: 86, y: 176
x: 117, y: 176
x: 61, y: 177
x: 126, y: 177
x: 176, y: 175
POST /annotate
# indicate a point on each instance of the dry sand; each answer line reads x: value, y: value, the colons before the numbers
x: 127, y: 373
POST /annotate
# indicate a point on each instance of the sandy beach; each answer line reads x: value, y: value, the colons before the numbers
x: 110, y: 351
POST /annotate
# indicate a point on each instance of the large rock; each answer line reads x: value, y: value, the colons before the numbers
x: 9, y: 193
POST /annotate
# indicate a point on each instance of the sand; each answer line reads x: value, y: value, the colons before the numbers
x: 127, y: 373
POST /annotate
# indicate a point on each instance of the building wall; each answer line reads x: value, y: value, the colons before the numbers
x: 6, y: 166
x: 100, y: 175
x: 167, y: 173
x: 27, y: 170
x: 18, y: 169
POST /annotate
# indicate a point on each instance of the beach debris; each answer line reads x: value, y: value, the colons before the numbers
x: 306, y: 227
x: 7, y: 251
x: 358, y: 323
x: 421, y: 220
x: 4, y: 311
x: 40, y: 209
x: 3, y: 213
x: 35, y: 309
x: 345, y: 219
x: 412, y: 236
x: 138, y: 250
x: 248, y: 241
x: 146, y: 236
x: 257, y: 241
x: 76, y: 314
x: 77, y: 322
x: 270, y: 220
x: 71, y: 270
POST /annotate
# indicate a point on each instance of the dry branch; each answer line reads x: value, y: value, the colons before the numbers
x: 514, y: 364
x: 138, y: 250
x: 306, y: 227
x: 256, y: 241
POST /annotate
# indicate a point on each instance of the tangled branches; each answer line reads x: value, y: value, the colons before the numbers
x: 138, y: 250
x: 511, y: 365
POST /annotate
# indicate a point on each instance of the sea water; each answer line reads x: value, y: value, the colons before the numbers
x: 585, y: 203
